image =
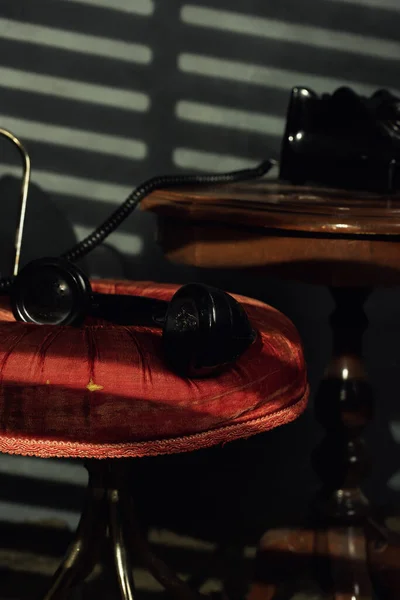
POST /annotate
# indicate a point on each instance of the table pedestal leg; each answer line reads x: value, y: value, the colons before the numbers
x: 344, y: 550
x: 344, y: 406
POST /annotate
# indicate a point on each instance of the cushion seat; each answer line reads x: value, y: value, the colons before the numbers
x: 104, y: 391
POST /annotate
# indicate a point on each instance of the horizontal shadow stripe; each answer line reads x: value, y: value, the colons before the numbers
x: 78, y: 187
x: 231, y: 93
x: 179, y: 560
x: 195, y: 160
x: 272, y: 65
x: 67, y: 112
x: 36, y: 106
x: 40, y: 493
x: 71, y: 164
x: 85, y: 69
x: 376, y: 22
x: 87, y: 215
x: 95, y: 70
x: 123, y: 173
x: 289, y: 56
x: 394, y: 482
x: 260, y: 75
x: 23, y: 585
x: 320, y: 38
x: 44, y: 469
x: 87, y: 18
x: 74, y: 89
x: 42, y: 559
x: 112, y: 73
x: 75, y: 139
x: 301, y: 57
x: 41, y: 538
x: 19, y: 512
x: 383, y: 5
x: 52, y: 540
x: 139, y: 7
x: 51, y: 37
x: 375, y: 18
x: 230, y: 118
x: 395, y: 430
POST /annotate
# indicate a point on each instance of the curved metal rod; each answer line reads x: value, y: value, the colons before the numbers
x: 82, y: 554
x: 175, y: 586
x: 24, y: 193
x: 120, y: 552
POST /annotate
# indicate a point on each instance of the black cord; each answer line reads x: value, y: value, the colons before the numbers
x: 162, y: 181
x: 143, y: 190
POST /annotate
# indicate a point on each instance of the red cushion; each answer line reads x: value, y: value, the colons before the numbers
x: 104, y: 391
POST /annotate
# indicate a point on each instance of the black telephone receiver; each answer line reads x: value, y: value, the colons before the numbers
x: 203, y: 328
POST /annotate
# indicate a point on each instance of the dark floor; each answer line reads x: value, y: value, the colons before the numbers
x: 194, y: 528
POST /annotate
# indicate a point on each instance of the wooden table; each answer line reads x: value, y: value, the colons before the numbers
x: 350, y: 242
x: 293, y: 231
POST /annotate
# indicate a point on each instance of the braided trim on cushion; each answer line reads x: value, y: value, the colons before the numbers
x: 58, y: 449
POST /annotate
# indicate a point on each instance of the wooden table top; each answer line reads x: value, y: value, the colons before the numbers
x: 323, y: 235
x: 275, y: 205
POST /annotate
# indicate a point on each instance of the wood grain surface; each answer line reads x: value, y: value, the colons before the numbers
x: 332, y: 237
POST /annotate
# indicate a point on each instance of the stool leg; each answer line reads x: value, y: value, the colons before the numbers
x: 81, y: 556
x: 177, y: 588
x: 120, y: 553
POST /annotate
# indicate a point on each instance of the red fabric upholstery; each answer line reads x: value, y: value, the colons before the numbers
x: 103, y: 391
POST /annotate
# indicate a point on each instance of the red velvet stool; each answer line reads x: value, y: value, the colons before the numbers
x: 103, y: 391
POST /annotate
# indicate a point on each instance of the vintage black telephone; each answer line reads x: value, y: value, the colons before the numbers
x: 203, y: 328
x: 342, y: 140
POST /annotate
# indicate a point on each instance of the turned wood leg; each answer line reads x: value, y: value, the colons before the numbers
x: 344, y: 406
x: 337, y: 547
x: 341, y: 564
